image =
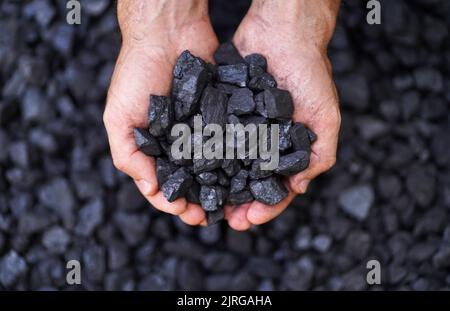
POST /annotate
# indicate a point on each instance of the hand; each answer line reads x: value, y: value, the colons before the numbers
x: 294, y: 37
x: 154, y: 34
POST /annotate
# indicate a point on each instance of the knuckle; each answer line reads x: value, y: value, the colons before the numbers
x: 338, y: 117
x: 119, y: 163
x: 106, y: 117
x: 300, y: 189
x: 329, y: 163
x: 299, y: 186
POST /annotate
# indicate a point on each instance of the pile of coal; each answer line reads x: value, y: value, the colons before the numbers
x: 236, y: 90
x: 387, y: 198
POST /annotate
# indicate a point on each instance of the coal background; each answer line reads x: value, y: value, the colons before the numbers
x: 387, y: 198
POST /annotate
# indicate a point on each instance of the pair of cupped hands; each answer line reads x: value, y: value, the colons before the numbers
x: 294, y: 41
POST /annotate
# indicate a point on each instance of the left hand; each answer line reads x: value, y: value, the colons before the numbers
x: 296, y: 54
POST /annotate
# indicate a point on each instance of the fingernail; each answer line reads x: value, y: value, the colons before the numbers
x: 303, y: 186
x: 144, y: 186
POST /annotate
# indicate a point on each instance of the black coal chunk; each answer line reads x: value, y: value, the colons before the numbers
x: 190, y: 122
x: 284, y: 137
x: 177, y: 185
x: 227, y: 54
x: 160, y: 115
x: 260, y: 106
x: 213, y: 106
x: 278, y: 104
x: 241, y: 102
x: 269, y: 190
x: 222, y: 178
x: 227, y: 88
x: 238, y: 181
x: 253, y: 119
x: 256, y: 60
x: 256, y: 172
x: 312, y: 136
x: 293, y: 163
x: 183, y: 110
x: 179, y: 162
x: 263, y: 81
x: 232, y: 119
x: 164, y: 168
x: 193, y: 193
x: 206, y: 178
x: 212, y: 71
x: 214, y: 217
x: 12, y: 268
x: 254, y: 71
x: 205, y: 165
x: 191, y: 75
x: 146, y: 142
x: 300, y: 137
x: 212, y: 197
x: 231, y: 166
x: 233, y: 74
x: 240, y: 197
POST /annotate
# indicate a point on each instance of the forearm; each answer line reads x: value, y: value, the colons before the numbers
x: 141, y: 18
x: 315, y: 19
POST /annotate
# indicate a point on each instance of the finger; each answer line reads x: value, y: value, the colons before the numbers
x: 193, y: 215
x: 259, y: 213
x: 237, y: 217
x: 323, y: 152
x: 176, y: 207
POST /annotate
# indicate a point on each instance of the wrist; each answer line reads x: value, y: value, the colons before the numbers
x: 314, y: 21
x: 140, y: 20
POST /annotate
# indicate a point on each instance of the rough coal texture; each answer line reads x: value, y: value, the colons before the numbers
x: 227, y: 54
x: 292, y: 163
x: 212, y: 198
x: 315, y: 244
x: 233, y: 74
x: 191, y: 75
x: 213, y: 106
x: 300, y: 137
x: 177, y: 184
x: 278, y: 103
x: 146, y: 142
x: 164, y: 168
x: 239, y: 181
x: 268, y: 190
x: 241, y: 102
x: 160, y: 115
x: 214, y: 217
x: 262, y: 81
x: 207, y: 178
x: 257, y: 60
x: 241, y: 197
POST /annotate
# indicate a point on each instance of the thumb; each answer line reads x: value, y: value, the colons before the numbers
x: 323, y: 151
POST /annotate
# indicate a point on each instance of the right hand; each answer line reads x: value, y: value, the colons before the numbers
x: 154, y: 34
